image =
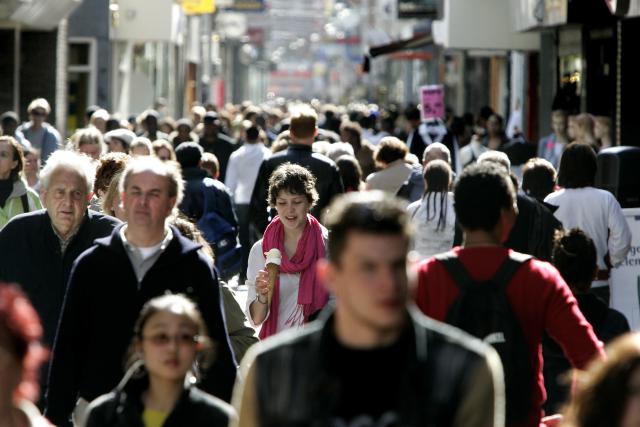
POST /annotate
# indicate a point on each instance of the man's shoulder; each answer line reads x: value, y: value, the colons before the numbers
x: 286, y: 342
x: 26, y: 222
x: 102, y: 221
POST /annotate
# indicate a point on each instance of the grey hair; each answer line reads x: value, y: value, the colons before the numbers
x: 70, y: 160
x: 437, y: 146
x: 338, y: 149
x: 495, y: 157
x: 169, y: 170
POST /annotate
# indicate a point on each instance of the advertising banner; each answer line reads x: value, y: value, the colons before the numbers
x: 625, y: 278
x: 432, y: 101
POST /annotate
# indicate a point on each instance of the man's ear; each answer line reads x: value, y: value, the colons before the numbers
x: 325, y: 272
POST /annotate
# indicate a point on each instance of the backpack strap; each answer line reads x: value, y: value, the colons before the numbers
x: 461, y: 277
x: 456, y: 269
x: 509, y: 268
x: 25, y: 203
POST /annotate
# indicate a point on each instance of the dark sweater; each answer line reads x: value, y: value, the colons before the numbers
x: 102, y: 304
x: 31, y: 256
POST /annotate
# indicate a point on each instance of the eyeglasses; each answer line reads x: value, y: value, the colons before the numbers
x: 162, y: 339
x: 38, y: 113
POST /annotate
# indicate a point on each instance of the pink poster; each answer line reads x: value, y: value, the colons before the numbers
x: 432, y: 101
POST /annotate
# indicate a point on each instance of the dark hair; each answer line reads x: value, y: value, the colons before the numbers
x: 603, y: 390
x: 20, y: 334
x: 294, y: 179
x: 538, y: 178
x: 189, y: 154
x: 18, y: 155
x: 110, y: 164
x: 253, y: 133
x: 437, y: 179
x: 578, y: 166
x: 353, y: 129
x: 350, y: 171
x: 391, y: 149
x: 370, y: 212
x: 412, y: 113
x: 574, y: 255
x: 482, y: 191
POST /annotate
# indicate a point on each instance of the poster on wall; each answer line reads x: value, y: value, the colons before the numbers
x: 625, y: 278
x: 432, y: 101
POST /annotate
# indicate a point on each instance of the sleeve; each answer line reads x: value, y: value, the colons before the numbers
x: 336, y: 184
x: 231, y: 178
x: 417, y: 186
x: 225, y: 207
x: 619, y: 232
x: 241, y: 334
x: 221, y: 375
x: 69, y: 349
x: 483, y: 404
x: 245, y: 399
x: 34, y: 200
x: 258, y: 214
x: 255, y: 264
x: 565, y: 323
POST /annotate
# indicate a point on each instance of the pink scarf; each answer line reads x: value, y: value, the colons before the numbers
x: 312, y: 295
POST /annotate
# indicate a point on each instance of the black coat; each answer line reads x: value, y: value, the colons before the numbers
x: 30, y: 256
x: 102, y: 304
x: 192, y: 204
x: 124, y: 408
x: 222, y: 147
x: 328, y: 181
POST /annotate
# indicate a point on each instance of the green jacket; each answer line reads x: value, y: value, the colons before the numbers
x: 13, y: 205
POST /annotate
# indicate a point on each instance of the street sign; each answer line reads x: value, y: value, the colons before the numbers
x: 625, y: 278
x: 432, y: 101
x: 198, y: 7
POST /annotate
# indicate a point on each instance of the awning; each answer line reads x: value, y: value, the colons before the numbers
x: 414, y: 42
x: 42, y: 14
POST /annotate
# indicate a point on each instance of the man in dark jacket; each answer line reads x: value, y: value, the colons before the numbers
x: 373, y: 359
x: 39, y: 248
x: 328, y: 182
x: 197, y: 182
x: 111, y: 281
x: 215, y: 142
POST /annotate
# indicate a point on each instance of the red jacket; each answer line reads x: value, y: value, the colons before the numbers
x: 539, y: 297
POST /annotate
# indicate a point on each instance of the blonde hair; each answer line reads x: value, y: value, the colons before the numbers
x: 39, y: 103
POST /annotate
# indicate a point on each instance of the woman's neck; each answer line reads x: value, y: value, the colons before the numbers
x: 291, y: 240
x: 162, y: 394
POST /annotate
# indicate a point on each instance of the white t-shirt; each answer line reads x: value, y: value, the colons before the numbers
x: 599, y: 215
x: 427, y: 239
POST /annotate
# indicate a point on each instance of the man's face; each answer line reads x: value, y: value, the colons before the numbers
x: 116, y: 146
x: 92, y: 150
x: 146, y: 201
x: 559, y: 124
x: 370, y: 281
x: 66, y: 201
x: 9, y: 127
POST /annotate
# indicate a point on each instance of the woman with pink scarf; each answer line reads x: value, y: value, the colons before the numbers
x: 297, y: 293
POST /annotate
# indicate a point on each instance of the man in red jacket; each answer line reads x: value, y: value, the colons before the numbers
x: 485, y: 206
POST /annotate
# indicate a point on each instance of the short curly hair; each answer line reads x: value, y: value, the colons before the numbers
x: 294, y: 179
x: 574, y: 255
x: 110, y: 164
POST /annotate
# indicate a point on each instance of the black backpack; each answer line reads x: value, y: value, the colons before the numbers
x: 483, y: 310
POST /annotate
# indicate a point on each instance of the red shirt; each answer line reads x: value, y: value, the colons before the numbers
x: 539, y: 297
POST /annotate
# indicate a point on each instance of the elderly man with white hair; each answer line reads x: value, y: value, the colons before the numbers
x: 39, y: 248
x: 112, y: 280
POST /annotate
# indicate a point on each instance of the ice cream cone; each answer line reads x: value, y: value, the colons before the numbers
x: 272, y: 265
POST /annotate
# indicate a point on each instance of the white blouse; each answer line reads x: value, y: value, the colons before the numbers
x: 427, y: 239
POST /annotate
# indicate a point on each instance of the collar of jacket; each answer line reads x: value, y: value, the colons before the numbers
x: 52, y: 238
x: 299, y: 147
x: 194, y: 173
x: 178, y: 246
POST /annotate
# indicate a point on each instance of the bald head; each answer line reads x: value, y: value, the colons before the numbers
x: 436, y: 151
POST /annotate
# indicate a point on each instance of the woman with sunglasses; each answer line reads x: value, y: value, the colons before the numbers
x: 168, y: 348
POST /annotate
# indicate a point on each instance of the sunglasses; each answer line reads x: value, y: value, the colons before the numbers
x: 38, y: 113
x: 162, y: 339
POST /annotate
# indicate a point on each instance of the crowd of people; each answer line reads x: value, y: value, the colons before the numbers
x: 374, y: 246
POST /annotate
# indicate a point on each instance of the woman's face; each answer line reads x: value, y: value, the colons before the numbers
x: 6, y: 160
x: 169, y: 345
x: 163, y: 154
x: 118, y: 209
x: 293, y: 210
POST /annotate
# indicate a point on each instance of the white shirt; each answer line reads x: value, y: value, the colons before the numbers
x: 427, y: 239
x: 242, y: 171
x: 598, y: 214
x: 289, y: 284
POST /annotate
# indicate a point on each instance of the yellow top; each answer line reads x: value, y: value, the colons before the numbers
x: 152, y: 418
